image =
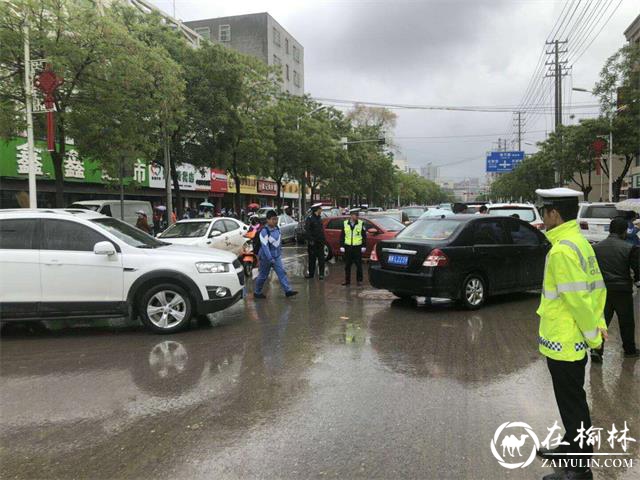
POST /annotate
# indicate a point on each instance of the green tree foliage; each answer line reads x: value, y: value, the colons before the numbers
x: 619, y: 92
x: 108, y: 103
x: 412, y: 189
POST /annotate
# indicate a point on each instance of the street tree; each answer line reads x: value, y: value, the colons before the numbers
x: 619, y: 93
x: 104, y: 104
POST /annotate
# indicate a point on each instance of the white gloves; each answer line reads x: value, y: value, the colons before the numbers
x: 341, y: 249
x: 363, y: 249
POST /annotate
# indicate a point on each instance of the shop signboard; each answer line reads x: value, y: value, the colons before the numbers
x: 219, y: 181
x: 14, y: 162
x: 267, y: 187
x: 248, y: 185
x: 186, y: 176
x: 203, y: 179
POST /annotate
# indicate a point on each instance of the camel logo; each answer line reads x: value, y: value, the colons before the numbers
x: 511, y: 445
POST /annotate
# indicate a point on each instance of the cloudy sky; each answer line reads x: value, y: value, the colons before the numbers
x: 444, y: 53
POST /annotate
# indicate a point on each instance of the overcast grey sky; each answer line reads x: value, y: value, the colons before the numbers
x: 448, y: 52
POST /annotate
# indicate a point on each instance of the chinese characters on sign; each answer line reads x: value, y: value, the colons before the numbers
x: 73, y: 166
x: 503, y: 162
x: 23, y: 159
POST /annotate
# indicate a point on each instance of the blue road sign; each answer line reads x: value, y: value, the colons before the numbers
x: 503, y: 162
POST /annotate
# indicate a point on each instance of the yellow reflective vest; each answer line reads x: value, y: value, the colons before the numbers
x: 573, y: 296
x: 353, y: 237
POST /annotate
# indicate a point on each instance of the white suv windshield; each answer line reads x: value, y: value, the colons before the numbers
x: 186, y: 230
x: 526, y: 214
x: 128, y: 234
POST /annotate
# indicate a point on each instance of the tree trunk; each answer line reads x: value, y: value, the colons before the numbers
x: 57, y: 158
x: 176, y: 187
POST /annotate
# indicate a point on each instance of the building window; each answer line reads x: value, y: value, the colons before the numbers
x: 204, y: 32
x: 286, y: 46
x: 296, y: 54
x: 287, y: 73
x: 296, y: 79
x: 276, y: 60
x: 276, y: 36
x: 224, y: 33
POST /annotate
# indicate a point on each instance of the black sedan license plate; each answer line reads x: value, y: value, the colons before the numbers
x: 401, y: 260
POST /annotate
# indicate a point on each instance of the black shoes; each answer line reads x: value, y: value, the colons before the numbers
x: 635, y: 354
x: 291, y: 293
x: 549, y: 452
x: 345, y: 284
x: 308, y: 276
x: 570, y: 475
x: 321, y: 277
x: 259, y: 295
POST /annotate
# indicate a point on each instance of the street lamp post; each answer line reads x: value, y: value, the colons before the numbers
x: 28, y: 88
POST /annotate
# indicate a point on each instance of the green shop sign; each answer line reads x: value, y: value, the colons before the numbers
x: 14, y: 162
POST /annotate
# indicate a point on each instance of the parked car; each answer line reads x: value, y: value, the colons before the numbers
x: 412, y: 213
x: 594, y: 219
x: 221, y: 232
x: 112, y: 208
x: 524, y: 211
x: 77, y: 263
x: 436, y: 212
x: 378, y: 228
x: 462, y: 257
x: 287, y: 225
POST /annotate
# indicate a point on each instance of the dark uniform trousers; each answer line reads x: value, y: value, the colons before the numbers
x: 315, y: 250
x: 621, y: 303
x: 352, y: 255
x: 568, y: 386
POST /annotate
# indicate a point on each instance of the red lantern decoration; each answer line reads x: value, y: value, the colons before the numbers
x: 47, y: 81
x: 598, y: 145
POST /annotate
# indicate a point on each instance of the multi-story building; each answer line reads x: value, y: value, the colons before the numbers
x: 261, y: 36
x: 632, y: 34
x: 430, y: 172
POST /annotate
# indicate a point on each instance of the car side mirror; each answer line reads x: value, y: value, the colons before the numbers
x: 373, y: 231
x: 104, y: 248
x: 215, y: 233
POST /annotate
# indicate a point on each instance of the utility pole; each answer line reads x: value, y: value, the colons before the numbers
x: 557, y: 71
x: 28, y: 89
x: 167, y: 177
x: 519, y: 131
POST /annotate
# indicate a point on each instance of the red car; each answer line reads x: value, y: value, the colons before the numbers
x: 378, y: 228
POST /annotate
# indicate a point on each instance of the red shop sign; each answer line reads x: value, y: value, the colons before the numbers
x: 267, y: 187
x: 218, y: 181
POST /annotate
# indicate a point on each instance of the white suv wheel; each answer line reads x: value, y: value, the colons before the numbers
x: 166, y: 308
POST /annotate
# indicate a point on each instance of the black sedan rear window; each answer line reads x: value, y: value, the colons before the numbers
x: 430, y: 229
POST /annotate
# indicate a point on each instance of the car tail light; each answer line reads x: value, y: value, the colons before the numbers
x: 436, y: 258
x: 584, y: 225
x: 374, y: 256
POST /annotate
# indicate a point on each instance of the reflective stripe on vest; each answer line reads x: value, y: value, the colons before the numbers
x: 353, y: 237
x: 557, y: 346
x: 572, y: 286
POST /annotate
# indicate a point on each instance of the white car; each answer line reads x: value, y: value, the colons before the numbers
x: 78, y: 263
x: 594, y: 219
x: 524, y: 211
x: 220, y: 232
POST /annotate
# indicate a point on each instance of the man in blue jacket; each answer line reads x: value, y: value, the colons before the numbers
x: 270, y: 256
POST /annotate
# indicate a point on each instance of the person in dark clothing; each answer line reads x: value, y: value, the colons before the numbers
x: 353, y: 243
x: 315, y: 241
x: 617, y: 258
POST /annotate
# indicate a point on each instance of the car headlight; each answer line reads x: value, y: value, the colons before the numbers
x: 212, y: 267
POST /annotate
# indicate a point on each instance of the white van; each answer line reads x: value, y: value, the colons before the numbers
x: 111, y: 208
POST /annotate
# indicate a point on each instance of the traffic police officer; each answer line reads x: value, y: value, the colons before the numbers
x: 571, y: 320
x: 353, y: 243
x: 315, y: 241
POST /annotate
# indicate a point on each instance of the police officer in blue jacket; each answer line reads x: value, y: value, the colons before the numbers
x: 270, y: 256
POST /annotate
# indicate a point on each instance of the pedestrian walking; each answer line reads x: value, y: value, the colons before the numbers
x: 571, y: 320
x: 270, y: 256
x: 315, y: 241
x: 617, y: 259
x: 142, y: 222
x: 353, y: 244
x: 632, y: 230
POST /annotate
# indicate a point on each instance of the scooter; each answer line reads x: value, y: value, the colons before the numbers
x: 248, y: 259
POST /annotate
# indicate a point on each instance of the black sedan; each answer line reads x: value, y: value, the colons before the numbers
x: 461, y: 257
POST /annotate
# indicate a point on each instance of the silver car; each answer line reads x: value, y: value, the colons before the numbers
x: 287, y: 226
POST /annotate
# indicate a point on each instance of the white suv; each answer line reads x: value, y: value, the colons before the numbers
x: 594, y: 219
x: 77, y: 263
x: 524, y: 211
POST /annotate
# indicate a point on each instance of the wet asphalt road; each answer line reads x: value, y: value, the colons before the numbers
x: 335, y: 383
